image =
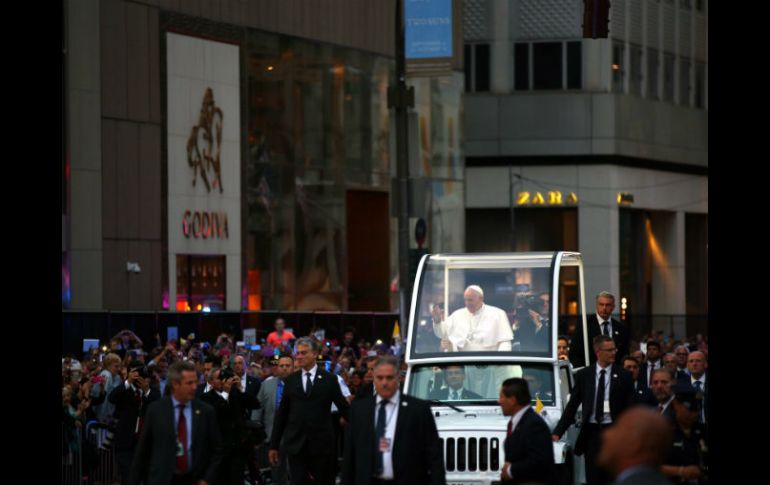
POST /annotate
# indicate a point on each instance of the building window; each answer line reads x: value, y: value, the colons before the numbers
x: 476, y: 67
x: 635, y: 79
x: 468, y: 66
x: 684, y: 82
x: 574, y: 65
x: 652, y: 74
x: 618, y: 70
x: 521, y: 67
x: 547, y: 65
x: 668, y: 78
x: 699, y: 5
x: 685, y: 4
x: 700, y: 85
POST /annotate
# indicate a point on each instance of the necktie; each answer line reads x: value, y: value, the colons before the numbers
x: 278, y: 394
x: 606, y: 330
x: 697, y: 385
x: 380, y: 433
x: 599, y: 406
x: 698, y: 390
x: 454, y: 396
x: 660, y: 409
x: 181, y: 433
x: 510, y: 427
x: 308, y: 384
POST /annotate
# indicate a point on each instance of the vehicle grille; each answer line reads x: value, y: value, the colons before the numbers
x: 471, y: 454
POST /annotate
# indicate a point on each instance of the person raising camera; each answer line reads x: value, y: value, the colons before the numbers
x: 130, y: 400
x: 532, y: 332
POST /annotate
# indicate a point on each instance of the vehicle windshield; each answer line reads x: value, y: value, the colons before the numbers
x: 484, y: 306
x: 479, y: 382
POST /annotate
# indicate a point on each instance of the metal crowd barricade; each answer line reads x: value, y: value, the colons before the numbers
x: 104, y: 470
x: 72, y: 456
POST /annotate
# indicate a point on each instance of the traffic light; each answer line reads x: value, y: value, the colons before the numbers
x: 596, y: 19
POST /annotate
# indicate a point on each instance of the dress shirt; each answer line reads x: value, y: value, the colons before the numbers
x: 312, y: 376
x: 391, y: 415
x: 606, y: 419
x: 188, y: 418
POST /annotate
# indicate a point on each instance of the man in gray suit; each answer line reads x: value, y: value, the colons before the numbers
x: 269, y: 397
x: 636, y: 446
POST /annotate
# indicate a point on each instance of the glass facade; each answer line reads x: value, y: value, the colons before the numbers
x: 319, y: 128
x: 318, y: 123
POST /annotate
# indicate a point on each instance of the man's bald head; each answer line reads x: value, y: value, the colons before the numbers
x: 640, y: 436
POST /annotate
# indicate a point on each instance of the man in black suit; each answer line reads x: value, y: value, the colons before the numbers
x: 697, y: 367
x: 367, y: 386
x: 528, y: 447
x: 227, y: 400
x: 180, y: 443
x: 131, y: 399
x: 303, y: 419
x: 599, y: 324
x: 403, y: 445
x: 605, y: 390
x: 642, y: 394
x: 634, y: 449
x: 455, y: 378
x: 249, y: 387
x: 208, y: 364
x: 662, y: 388
x: 652, y: 362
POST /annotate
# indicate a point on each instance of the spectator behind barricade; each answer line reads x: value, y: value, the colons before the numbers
x: 356, y: 381
x: 126, y: 340
x: 653, y: 361
x: 642, y: 393
x: 669, y: 362
x: 280, y: 335
x: 107, y: 380
x: 256, y: 371
x: 209, y: 363
x: 366, y: 388
x: 159, y: 366
x: 635, y: 447
x: 348, y: 346
x: 698, y: 380
x: 681, y: 352
x: 663, y: 389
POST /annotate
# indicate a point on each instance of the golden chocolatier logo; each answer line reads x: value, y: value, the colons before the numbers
x: 205, y: 143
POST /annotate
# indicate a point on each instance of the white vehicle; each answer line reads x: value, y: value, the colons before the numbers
x: 471, y: 425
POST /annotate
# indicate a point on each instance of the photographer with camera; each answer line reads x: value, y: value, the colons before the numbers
x: 532, y: 332
x: 227, y: 399
x: 348, y: 347
x: 130, y: 400
x: 249, y: 386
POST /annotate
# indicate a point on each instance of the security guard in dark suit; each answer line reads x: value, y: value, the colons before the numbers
x: 687, y: 461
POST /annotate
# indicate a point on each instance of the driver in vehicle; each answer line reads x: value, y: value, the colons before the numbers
x: 476, y: 327
x: 455, y: 391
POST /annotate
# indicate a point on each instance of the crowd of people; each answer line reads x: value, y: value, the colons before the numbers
x: 263, y: 421
x: 113, y: 387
